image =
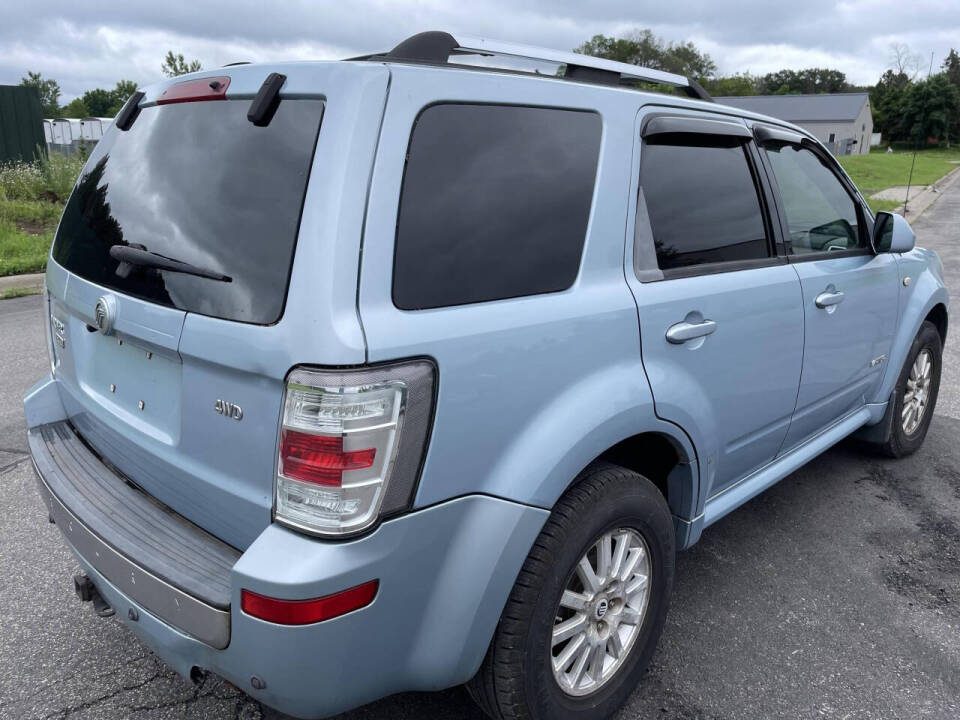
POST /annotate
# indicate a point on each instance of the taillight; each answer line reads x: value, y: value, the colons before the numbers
x: 319, y: 459
x: 351, y: 444
x: 304, y: 612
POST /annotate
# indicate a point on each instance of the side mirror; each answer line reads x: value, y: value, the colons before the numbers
x: 892, y: 233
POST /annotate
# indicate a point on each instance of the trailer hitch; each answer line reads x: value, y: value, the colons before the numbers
x: 87, y: 592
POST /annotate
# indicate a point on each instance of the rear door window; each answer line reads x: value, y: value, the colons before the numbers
x: 702, y: 201
x: 199, y: 183
x: 495, y: 203
x: 821, y: 215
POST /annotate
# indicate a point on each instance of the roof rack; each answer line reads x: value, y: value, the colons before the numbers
x: 436, y: 46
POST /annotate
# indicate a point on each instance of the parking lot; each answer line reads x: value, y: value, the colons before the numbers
x: 835, y: 594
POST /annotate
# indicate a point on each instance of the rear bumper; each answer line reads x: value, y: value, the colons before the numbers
x: 445, y: 573
x: 163, y: 563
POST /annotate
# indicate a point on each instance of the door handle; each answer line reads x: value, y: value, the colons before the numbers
x: 684, y: 331
x: 828, y: 299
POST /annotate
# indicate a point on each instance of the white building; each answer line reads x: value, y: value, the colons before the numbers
x: 841, y: 121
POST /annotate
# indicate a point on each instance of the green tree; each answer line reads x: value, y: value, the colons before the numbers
x: 174, y: 65
x: 49, y: 92
x: 642, y: 47
x: 98, y: 102
x: 951, y: 69
x: 739, y: 84
x: 929, y: 108
x: 75, y: 109
x: 808, y: 81
x: 887, y: 99
x: 121, y: 93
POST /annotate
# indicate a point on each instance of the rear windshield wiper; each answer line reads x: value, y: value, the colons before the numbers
x: 147, y: 259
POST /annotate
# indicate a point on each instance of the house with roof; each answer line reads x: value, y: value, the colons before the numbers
x: 841, y: 121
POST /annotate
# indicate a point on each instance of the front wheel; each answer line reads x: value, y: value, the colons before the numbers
x: 587, y: 609
x: 915, y: 396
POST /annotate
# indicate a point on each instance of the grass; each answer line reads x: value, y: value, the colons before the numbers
x: 877, y: 204
x: 880, y: 170
x: 19, y: 292
x: 23, y: 252
x: 32, y: 196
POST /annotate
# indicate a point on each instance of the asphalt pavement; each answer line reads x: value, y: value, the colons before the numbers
x: 835, y: 594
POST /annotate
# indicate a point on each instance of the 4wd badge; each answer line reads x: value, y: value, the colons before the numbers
x: 228, y: 409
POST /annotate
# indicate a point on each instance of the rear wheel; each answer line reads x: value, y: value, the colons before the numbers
x: 916, y: 392
x: 588, y: 607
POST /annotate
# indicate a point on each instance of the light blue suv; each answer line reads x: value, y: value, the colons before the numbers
x: 400, y: 372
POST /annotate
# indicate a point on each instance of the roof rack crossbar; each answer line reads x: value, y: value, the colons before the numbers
x: 438, y: 46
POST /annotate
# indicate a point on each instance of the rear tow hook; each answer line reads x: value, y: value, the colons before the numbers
x: 87, y: 592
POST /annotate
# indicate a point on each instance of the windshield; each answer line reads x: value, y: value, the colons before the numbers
x: 198, y: 183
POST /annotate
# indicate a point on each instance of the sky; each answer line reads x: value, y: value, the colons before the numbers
x: 92, y: 43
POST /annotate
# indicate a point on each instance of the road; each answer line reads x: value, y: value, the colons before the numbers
x: 835, y: 594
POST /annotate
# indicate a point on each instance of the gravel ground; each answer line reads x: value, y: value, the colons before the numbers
x: 835, y: 594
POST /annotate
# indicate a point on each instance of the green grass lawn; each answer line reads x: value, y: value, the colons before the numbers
x: 880, y: 170
x: 22, y: 252
x: 18, y: 292
x: 877, y: 205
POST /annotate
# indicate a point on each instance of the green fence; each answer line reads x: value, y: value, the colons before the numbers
x: 21, y: 123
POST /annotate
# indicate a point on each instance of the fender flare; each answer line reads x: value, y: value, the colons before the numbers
x: 602, y: 409
x: 928, y: 292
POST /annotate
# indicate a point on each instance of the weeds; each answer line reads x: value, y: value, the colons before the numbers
x: 51, y: 178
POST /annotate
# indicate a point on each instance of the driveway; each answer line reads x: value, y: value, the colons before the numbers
x: 835, y: 594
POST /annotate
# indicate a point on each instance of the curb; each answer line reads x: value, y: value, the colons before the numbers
x: 33, y: 281
x: 918, y: 204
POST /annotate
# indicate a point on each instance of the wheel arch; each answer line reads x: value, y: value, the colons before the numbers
x: 575, y: 430
x: 926, y: 300
x: 938, y: 316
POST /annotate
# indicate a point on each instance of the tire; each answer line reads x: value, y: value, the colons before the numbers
x: 899, y: 442
x: 516, y: 679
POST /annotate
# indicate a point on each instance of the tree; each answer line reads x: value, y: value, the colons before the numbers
x: 904, y: 62
x: 122, y: 92
x: 98, y: 102
x: 642, y: 47
x: 886, y: 100
x: 929, y: 108
x: 809, y: 81
x: 49, y: 92
x: 75, y: 109
x: 740, y: 84
x: 951, y: 69
x: 174, y: 65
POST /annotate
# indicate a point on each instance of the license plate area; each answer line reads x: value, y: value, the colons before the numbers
x: 138, y: 383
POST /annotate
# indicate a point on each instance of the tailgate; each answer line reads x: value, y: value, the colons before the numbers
x: 175, y: 376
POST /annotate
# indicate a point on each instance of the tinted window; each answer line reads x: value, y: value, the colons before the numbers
x: 495, y: 203
x: 821, y: 214
x: 199, y: 183
x: 702, y: 201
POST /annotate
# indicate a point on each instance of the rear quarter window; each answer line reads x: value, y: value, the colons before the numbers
x: 495, y: 203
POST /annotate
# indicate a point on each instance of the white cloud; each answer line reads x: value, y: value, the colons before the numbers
x: 94, y: 43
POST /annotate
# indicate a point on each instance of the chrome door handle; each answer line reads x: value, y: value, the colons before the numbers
x: 683, y: 331
x: 827, y: 299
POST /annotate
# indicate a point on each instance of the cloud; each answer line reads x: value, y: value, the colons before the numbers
x: 94, y: 43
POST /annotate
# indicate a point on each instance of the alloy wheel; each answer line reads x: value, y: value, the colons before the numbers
x: 601, y: 612
x: 917, y: 393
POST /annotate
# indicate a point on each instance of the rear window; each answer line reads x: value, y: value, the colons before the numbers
x: 495, y: 203
x: 702, y: 201
x: 199, y: 183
